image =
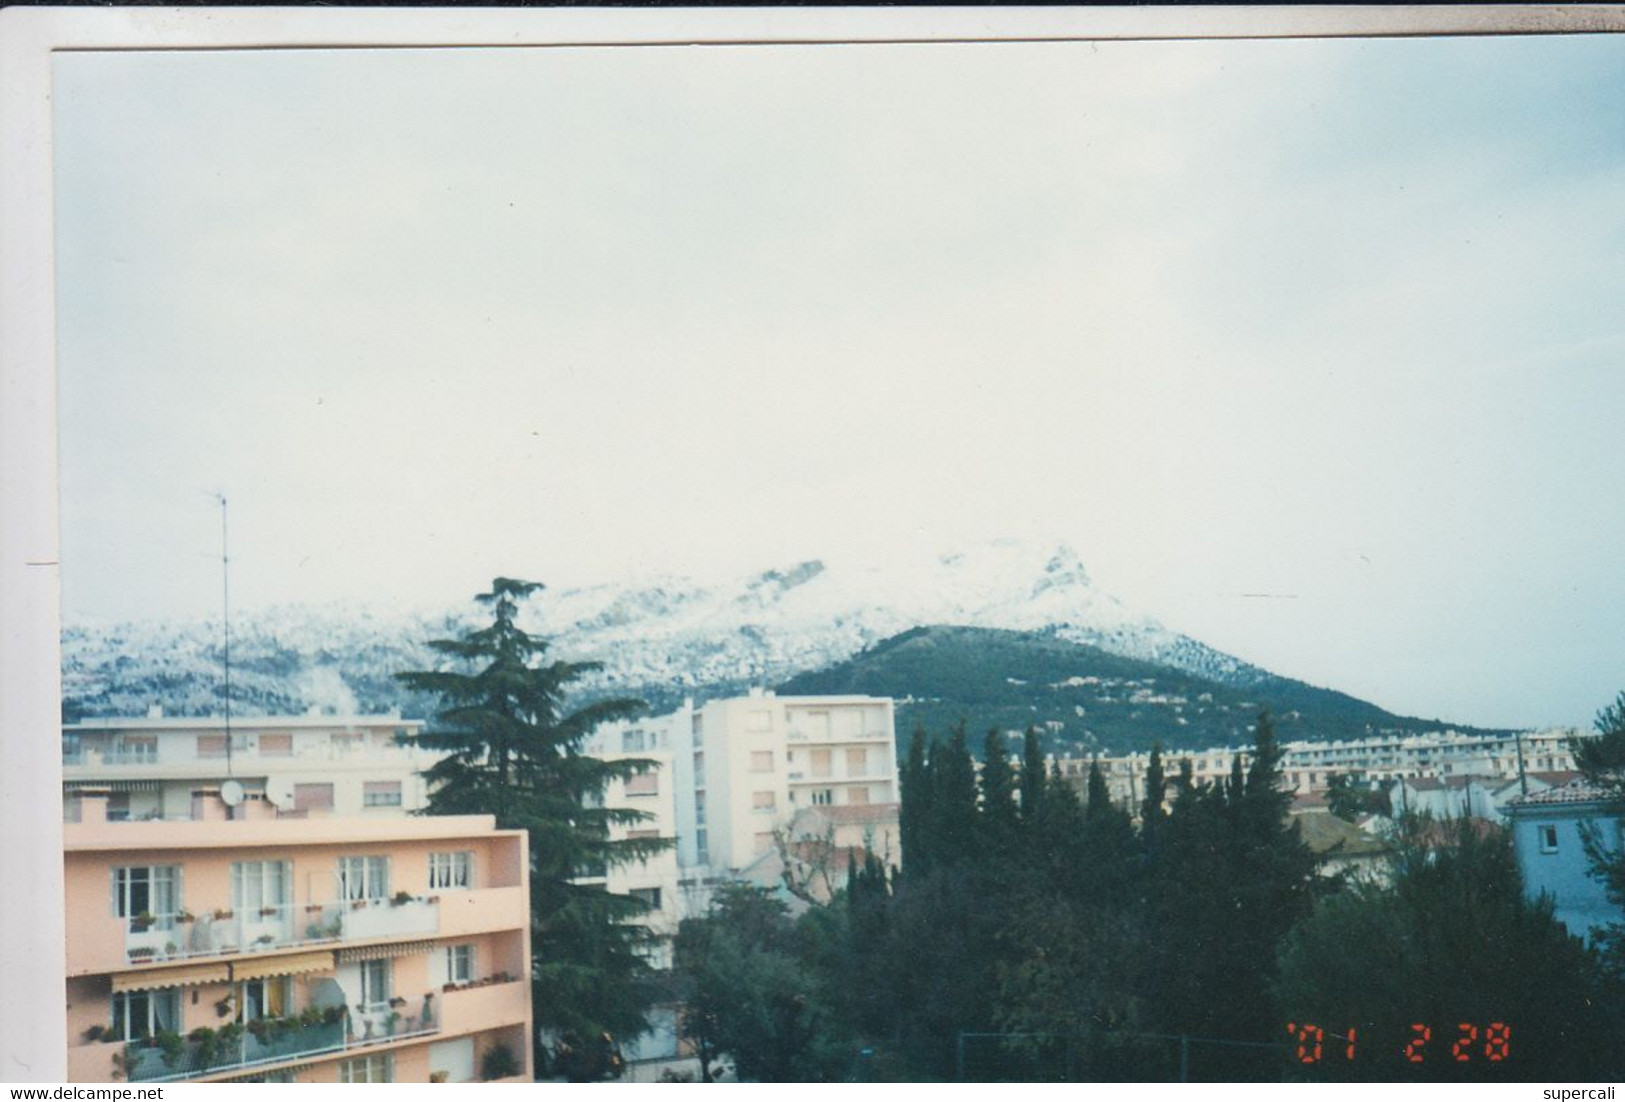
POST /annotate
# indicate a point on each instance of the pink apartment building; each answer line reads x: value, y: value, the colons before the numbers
x: 319, y: 950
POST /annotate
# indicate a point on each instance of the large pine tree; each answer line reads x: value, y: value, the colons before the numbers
x: 513, y: 750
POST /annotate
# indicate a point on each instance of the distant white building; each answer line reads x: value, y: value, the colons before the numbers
x: 748, y: 764
x: 1546, y: 836
x: 157, y: 766
x: 656, y: 881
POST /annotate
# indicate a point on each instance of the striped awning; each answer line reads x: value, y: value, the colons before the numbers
x: 170, y: 977
x: 297, y: 964
x: 114, y: 786
x: 384, y: 952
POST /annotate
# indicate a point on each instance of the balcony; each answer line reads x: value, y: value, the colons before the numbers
x: 210, y: 1053
x: 145, y: 1062
x: 181, y: 936
x: 487, y: 1005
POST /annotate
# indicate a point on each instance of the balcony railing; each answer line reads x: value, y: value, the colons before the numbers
x: 179, y: 937
x: 275, y: 1041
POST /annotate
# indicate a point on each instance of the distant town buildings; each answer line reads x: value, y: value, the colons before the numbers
x: 276, y: 949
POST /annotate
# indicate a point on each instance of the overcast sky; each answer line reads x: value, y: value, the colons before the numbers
x: 1339, y: 323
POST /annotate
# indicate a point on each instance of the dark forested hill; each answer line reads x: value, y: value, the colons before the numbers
x: 1083, y: 697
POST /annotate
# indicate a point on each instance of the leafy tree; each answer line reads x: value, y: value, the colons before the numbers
x: 1452, y: 940
x: 513, y: 751
x: 1602, y: 759
x: 1350, y: 797
x: 749, y: 993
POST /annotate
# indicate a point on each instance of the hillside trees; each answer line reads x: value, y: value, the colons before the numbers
x: 1602, y: 759
x: 513, y: 751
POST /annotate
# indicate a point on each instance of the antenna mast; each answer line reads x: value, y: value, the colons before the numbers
x: 225, y: 614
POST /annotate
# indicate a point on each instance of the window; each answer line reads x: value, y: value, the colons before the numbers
x: 761, y: 761
x: 820, y: 763
x: 702, y: 847
x: 276, y: 746
x: 699, y: 809
x: 459, y: 964
x: 644, y: 784
x: 118, y: 807
x: 632, y: 742
x: 259, y: 885
x: 649, y: 897
x: 140, y: 1014
x: 313, y: 797
x: 150, y: 890
x: 1548, y: 837
x: 451, y: 870
x: 263, y: 998
x: 381, y: 793
x: 379, y: 1068
x: 699, y: 767
x: 762, y: 801
x: 857, y: 795
x: 211, y: 746
x: 363, y: 878
x: 857, y: 762
x: 375, y: 984
x: 823, y: 796
x: 139, y: 749
x: 759, y: 721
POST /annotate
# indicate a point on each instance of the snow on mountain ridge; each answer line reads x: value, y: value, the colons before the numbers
x: 657, y: 636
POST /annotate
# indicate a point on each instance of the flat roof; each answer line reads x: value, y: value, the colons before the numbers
x: 218, y: 723
x: 203, y: 834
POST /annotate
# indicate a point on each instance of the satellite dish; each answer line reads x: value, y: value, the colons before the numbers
x: 231, y: 793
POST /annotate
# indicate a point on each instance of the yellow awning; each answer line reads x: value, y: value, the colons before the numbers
x: 384, y: 952
x: 169, y: 977
x: 282, y: 966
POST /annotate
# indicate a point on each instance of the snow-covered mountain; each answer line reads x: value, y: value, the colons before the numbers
x: 659, y: 637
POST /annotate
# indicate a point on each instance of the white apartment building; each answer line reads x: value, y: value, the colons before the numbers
x: 656, y: 881
x: 747, y: 765
x: 157, y: 766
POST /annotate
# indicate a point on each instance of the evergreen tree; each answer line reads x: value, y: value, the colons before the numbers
x: 915, y: 813
x: 953, y: 799
x: 998, y: 784
x: 1032, y: 775
x: 513, y: 751
x: 1099, y: 800
x: 1152, y: 813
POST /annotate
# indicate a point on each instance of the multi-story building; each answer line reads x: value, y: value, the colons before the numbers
x: 1547, y: 836
x: 656, y: 880
x: 1309, y: 766
x: 314, y: 764
x: 266, y: 947
x: 746, y: 765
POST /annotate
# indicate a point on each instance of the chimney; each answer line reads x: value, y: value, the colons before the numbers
x: 207, y: 806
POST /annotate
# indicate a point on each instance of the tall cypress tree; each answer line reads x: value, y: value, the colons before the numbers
x: 1032, y: 775
x: 953, y: 798
x: 513, y: 751
x: 998, y: 784
x: 1152, y: 813
x: 915, y: 813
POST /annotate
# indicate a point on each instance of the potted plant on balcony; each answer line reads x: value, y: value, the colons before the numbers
x: 402, y: 899
x: 332, y: 1014
x: 207, y: 1042
x: 224, y: 1007
x: 173, y: 1046
x: 223, y: 913
x: 268, y: 912
x: 98, y: 1033
x: 142, y: 952
x: 186, y: 917
x: 392, y: 1022
x: 499, y: 1063
x: 397, y: 1002
x: 229, y: 1037
x: 141, y: 923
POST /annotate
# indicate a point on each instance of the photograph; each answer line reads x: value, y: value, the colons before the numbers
x: 849, y: 549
